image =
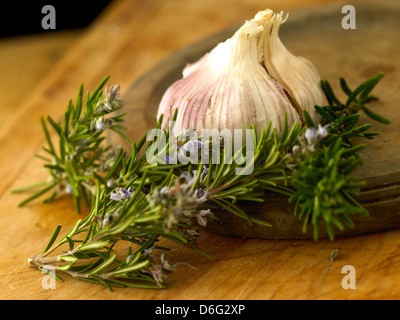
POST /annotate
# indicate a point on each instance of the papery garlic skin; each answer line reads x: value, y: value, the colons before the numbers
x: 231, y: 87
x: 297, y: 75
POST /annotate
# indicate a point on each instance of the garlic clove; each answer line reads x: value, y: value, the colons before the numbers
x: 297, y: 75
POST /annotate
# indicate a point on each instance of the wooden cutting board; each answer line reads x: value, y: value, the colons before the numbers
x: 356, y: 55
x: 124, y: 42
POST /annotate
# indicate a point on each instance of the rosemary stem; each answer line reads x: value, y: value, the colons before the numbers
x: 41, y: 260
x: 30, y: 187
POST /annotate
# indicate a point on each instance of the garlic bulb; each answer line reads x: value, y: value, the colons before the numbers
x: 250, y: 79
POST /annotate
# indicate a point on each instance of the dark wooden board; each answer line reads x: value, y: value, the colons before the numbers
x: 356, y: 54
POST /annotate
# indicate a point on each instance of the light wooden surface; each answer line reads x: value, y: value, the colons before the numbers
x: 128, y: 39
x: 24, y: 61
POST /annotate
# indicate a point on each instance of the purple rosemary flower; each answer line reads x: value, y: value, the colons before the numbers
x: 202, y: 217
x: 313, y: 136
x: 158, y: 274
x: 121, y: 194
x: 191, y: 147
x: 201, y: 195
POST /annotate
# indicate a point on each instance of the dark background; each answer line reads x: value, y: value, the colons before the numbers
x: 25, y: 17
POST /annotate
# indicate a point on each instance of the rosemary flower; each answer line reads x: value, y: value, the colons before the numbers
x: 121, y: 194
x: 160, y: 271
x: 192, y: 146
x: 111, y: 102
x: 190, y: 151
x: 68, y: 189
x: 165, y: 264
x: 201, y: 217
x: 204, y: 173
x: 100, y: 124
x: 110, y: 183
x: 158, y: 274
x: 309, y: 141
x: 313, y: 136
x: 165, y: 191
x: 148, y: 250
x: 201, y: 195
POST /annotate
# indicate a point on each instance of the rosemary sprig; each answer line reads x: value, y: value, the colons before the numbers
x: 135, y: 201
x: 80, y: 155
x: 343, y: 117
x: 228, y: 189
x: 134, y: 218
x: 323, y: 186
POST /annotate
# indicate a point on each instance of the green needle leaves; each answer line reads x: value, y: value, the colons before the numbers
x: 323, y: 186
x: 135, y: 202
x: 77, y: 154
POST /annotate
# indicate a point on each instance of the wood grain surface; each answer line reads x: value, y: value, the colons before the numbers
x: 18, y: 74
x: 359, y: 61
x: 126, y: 41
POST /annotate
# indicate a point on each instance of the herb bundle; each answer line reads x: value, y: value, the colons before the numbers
x: 134, y: 202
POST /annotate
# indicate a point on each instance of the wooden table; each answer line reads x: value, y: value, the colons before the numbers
x: 124, y: 42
